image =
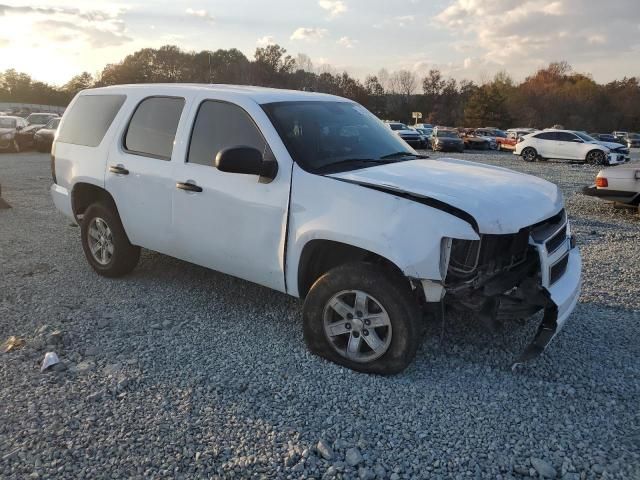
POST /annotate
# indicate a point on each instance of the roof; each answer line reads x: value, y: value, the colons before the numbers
x: 258, y: 94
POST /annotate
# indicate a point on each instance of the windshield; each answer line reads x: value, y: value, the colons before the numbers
x: 53, y: 124
x: 398, y: 126
x: 319, y: 134
x: 38, y: 119
x: 7, y: 123
x: 635, y: 136
x: 446, y: 134
x: 585, y: 137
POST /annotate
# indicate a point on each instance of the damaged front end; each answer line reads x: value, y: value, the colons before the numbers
x: 512, y: 276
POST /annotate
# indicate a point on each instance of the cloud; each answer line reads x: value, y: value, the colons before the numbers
x: 539, y: 31
x: 309, y: 34
x: 266, y: 40
x: 346, y: 42
x: 404, y: 20
x: 334, y: 7
x: 97, y: 29
x: 203, y: 14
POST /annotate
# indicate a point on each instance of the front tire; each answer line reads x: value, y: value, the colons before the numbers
x: 362, y: 316
x: 529, y: 154
x: 596, y: 157
x: 105, y: 243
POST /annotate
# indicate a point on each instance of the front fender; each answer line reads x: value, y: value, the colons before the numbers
x: 405, y: 232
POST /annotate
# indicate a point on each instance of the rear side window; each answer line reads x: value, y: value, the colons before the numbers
x: 89, y: 118
x: 546, y: 136
x: 152, y: 129
x: 220, y: 125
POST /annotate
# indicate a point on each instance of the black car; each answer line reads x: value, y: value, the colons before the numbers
x: 606, y: 137
x: 36, y: 121
x: 43, y: 139
x: 446, y: 141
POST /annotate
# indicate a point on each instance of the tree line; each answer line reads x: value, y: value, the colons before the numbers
x: 555, y: 94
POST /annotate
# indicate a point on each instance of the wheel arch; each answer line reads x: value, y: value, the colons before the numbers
x: 84, y: 194
x: 318, y: 256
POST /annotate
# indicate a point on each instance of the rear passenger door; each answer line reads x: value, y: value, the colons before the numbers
x: 545, y: 144
x: 139, y: 172
x: 231, y: 223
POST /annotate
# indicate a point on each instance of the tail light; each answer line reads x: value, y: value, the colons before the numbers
x: 602, y: 182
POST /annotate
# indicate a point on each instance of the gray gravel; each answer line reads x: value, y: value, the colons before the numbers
x: 180, y: 372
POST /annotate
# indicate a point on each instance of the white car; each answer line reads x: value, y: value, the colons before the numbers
x: 311, y: 195
x: 570, y: 145
x: 620, y: 185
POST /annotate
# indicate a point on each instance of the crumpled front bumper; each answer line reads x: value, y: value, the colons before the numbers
x: 563, y: 297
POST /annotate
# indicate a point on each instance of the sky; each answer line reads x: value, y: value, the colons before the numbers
x: 53, y: 40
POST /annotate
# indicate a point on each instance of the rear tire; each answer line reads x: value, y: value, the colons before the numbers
x: 529, y: 154
x: 335, y: 320
x: 105, y: 243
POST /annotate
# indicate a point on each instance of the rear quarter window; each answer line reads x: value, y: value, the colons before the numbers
x: 89, y: 118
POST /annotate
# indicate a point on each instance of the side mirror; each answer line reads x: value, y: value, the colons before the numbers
x: 577, y: 140
x: 248, y: 161
x: 18, y: 128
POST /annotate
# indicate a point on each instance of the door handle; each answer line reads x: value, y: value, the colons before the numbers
x: 118, y: 170
x: 189, y: 187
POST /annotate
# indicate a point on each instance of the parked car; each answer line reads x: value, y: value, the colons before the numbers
x: 630, y: 139
x: 472, y: 141
x: 9, y: 127
x: 425, y: 126
x: 621, y: 185
x: 570, y: 145
x: 426, y: 135
x: 407, y: 134
x: 43, y: 139
x: 36, y: 121
x: 446, y: 140
x: 311, y: 195
x: 509, y: 142
x: 606, y: 137
x: 491, y: 135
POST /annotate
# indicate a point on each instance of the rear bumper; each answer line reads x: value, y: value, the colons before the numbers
x: 610, y: 195
x: 62, y: 200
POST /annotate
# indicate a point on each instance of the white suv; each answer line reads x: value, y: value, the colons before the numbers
x: 312, y: 195
x: 570, y: 145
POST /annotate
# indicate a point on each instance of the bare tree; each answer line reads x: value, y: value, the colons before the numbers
x: 303, y: 62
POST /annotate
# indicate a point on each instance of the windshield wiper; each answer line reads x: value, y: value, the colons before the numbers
x: 356, y: 162
x: 403, y: 154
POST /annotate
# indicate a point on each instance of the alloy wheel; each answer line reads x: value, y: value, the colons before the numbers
x: 357, y: 326
x: 100, y: 239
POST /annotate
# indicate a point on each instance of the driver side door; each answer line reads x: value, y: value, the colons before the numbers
x: 229, y: 222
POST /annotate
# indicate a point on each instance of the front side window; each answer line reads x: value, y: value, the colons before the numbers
x: 565, y: 137
x: 153, y: 126
x: 53, y: 124
x: 220, y: 125
x: 331, y: 136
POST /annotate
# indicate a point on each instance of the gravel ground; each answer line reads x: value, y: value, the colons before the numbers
x: 181, y: 372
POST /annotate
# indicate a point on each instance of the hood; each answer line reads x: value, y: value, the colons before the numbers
x: 500, y: 200
x: 31, y: 128
x: 609, y: 145
x: 46, y: 132
x: 7, y: 130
